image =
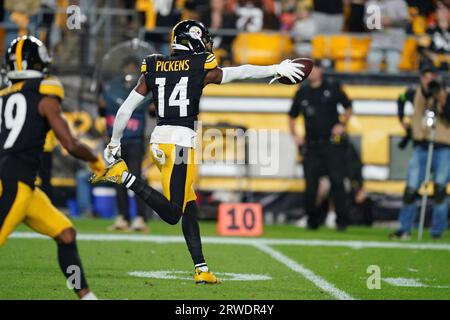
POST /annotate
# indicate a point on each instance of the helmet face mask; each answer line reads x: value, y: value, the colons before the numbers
x: 27, y: 57
x: 191, y: 36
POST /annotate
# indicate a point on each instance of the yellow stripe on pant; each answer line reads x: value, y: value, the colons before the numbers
x: 177, y: 178
x: 19, y: 203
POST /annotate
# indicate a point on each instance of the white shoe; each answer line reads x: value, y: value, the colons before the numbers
x: 89, y: 296
x: 120, y: 224
x: 139, y: 225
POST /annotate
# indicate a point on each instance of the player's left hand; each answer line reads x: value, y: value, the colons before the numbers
x: 112, y: 152
x: 97, y: 167
x: 289, y: 69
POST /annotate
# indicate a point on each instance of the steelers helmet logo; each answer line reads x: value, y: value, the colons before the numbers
x: 195, y: 32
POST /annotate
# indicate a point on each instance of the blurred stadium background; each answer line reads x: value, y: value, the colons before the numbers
x: 245, y: 31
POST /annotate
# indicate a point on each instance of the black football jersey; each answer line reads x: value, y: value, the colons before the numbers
x: 22, y: 129
x: 176, y: 82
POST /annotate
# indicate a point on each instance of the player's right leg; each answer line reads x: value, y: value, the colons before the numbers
x: 118, y: 173
x: 15, y: 197
x: 44, y: 218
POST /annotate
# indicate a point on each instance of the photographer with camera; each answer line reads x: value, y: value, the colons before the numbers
x: 427, y: 74
x: 430, y: 128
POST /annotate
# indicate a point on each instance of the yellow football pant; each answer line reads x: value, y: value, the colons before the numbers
x: 177, y: 168
x: 20, y: 203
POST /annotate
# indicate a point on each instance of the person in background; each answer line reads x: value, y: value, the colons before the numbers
x: 323, y: 147
x: 254, y: 15
x: 388, y: 38
x: 217, y: 15
x: 288, y: 14
x: 356, y: 16
x: 83, y: 192
x: 360, y: 205
x: 428, y: 73
x: 303, y: 30
x: 429, y: 94
x: 424, y: 8
x: 436, y: 45
x: 133, y: 146
x: 220, y: 15
x: 152, y: 13
x: 201, y: 9
x: 328, y: 16
x: 20, y: 18
x: 48, y: 17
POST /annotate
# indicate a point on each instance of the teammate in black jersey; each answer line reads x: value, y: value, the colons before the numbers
x: 29, y: 108
x: 177, y: 82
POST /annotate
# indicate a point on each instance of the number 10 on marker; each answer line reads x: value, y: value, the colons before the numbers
x: 240, y: 219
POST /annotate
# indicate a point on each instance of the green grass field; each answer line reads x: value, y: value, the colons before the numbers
x: 288, y: 261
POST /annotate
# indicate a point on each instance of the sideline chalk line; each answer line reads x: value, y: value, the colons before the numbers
x: 354, y: 244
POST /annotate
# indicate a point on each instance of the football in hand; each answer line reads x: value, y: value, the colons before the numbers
x: 308, y: 65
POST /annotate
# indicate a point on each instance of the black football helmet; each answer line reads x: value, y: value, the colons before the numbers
x: 192, y: 36
x: 27, y: 57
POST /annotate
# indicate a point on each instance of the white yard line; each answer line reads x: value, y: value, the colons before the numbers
x: 249, y: 241
x: 318, y: 281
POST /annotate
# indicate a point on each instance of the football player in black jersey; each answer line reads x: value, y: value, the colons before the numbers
x: 29, y: 108
x: 177, y: 82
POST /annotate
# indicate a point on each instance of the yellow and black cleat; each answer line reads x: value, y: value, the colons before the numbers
x: 205, y: 277
x: 113, y: 173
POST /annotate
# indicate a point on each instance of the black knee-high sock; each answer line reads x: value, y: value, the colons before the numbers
x: 191, y: 232
x: 169, y: 211
x: 69, y: 258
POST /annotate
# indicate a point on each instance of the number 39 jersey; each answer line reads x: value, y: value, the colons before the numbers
x: 22, y: 128
x: 176, y: 82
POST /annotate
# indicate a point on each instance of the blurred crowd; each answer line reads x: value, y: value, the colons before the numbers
x: 389, y: 24
x: 426, y: 21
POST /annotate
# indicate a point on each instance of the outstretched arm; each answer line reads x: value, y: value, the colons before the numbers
x: 285, y: 69
x: 136, y: 96
x: 127, y: 108
x: 49, y: 107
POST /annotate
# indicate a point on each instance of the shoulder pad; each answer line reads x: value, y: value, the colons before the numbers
x: 52, y: 86
x: 154, y: 56
x: 147, y: 59
x: 210, y: 62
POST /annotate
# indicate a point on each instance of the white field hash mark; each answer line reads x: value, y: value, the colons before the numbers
x: 183, y: 275
x: 318, y: 281
x: 410, y: 282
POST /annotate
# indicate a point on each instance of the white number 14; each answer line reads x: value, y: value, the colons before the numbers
x: 178, y: 97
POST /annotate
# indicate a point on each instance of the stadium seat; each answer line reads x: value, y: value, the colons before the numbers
x: 349, y: 65
x: 320, y: 45
x: 347, y: 51
x: 409, y: 61
x: 261, y: 48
